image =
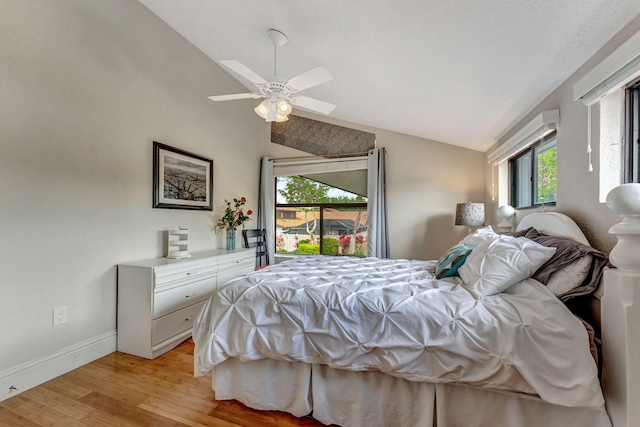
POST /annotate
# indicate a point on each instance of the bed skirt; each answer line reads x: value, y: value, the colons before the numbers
x: 265, y: 384
x: 354, y: 399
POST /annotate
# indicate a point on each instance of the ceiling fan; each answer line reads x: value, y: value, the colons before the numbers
x: 280, y: 94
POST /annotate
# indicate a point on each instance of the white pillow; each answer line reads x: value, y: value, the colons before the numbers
x: 479, y: 236
x: 494, y: 266
x: 570, y: 277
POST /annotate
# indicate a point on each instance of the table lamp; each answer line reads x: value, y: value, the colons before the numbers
x: 470, y: 214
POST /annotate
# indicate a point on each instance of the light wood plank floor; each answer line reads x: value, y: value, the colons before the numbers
x: 124, y: 390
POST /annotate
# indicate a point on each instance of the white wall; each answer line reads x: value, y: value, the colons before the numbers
x: 86, y: 86
x: 425, y: 180
x: 578, y: 189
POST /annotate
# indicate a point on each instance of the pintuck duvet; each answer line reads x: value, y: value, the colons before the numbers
x: 393, y: 316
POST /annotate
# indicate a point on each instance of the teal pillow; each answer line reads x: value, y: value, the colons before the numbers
x: 452, y: 260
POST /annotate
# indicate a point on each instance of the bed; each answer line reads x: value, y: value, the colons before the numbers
x: 349, y: 340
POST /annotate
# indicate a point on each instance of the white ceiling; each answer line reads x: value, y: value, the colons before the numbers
x: 462, y: 72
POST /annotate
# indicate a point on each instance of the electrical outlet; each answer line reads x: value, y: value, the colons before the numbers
x: 59, y: 315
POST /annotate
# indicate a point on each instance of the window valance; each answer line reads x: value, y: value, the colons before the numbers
x: 320, y: 138
x: 540, y: 126
x: 615, y: 71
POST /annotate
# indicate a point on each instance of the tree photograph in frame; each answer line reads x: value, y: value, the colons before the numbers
x: 181, y: 180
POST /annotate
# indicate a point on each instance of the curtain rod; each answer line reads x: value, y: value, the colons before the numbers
x: 327, y: 157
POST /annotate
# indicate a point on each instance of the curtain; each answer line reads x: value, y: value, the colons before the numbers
x: 378, y: 236
x: 266, y: 205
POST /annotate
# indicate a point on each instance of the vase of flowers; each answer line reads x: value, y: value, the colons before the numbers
x: 234, y: 217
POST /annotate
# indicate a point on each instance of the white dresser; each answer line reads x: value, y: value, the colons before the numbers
x: 158, y: 299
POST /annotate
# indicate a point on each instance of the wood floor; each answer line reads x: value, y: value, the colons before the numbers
x: 123, y: 390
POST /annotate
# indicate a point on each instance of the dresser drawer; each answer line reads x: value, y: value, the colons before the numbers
x: 174, y: 323
x: 235, y: 265
x: 234, y: 260
x: 175, y: 275
x: 170, y: 300
x: 241, y: 269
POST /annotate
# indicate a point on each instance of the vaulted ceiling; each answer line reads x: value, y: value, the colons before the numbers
x: 461, y: 72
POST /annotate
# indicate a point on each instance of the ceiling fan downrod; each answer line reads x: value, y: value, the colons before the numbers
x: 278, y: 38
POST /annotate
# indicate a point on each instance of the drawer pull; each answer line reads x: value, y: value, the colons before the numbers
x: 189, y: 273
x: 189, y: 318
x: 190, y: 295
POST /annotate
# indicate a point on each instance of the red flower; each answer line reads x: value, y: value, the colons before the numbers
x: 234, y: 216
x: 249, y: 212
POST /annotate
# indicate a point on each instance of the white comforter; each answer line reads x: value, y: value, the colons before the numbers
x: 394, y: 316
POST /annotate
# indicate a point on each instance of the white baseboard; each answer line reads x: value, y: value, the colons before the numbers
x: 28, y: 375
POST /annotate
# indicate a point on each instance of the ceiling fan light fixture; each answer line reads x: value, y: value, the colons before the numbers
x: 263, y: 109
x: 284, y: 108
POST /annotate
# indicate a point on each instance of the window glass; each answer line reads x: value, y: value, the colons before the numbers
x: 344, y: 231
x: 632, y: 141
x: 316, y: 214
x: 522, y: 180
x: 545, y: 172
x: 533, y: 174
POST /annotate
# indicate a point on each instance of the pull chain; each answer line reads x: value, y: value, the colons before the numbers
x: 590, y: 169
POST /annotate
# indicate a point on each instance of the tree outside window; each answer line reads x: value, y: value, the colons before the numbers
x: 534, y: 174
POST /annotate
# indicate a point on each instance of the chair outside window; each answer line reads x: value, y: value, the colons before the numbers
x: 255, y: 238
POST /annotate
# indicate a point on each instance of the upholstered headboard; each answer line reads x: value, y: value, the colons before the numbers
x: 553, y: 224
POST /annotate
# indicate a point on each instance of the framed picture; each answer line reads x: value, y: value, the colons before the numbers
x: 181, y: 180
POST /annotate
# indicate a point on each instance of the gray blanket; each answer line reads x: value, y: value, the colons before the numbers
x: 567, y: 252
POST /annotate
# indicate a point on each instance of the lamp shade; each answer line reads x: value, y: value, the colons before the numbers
x: 284, y: 108
x: 470, y: 214
x: 263, y: 109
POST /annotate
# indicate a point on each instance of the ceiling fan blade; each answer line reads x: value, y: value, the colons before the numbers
x: 253, y: 95
x: 312, y: 104
x: 313, y: 77
x: 242, y: 70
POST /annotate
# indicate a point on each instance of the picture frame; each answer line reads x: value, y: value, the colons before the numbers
x: 181, y: 180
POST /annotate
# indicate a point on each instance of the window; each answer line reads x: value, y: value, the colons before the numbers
x: 632, y: 140
x: 533, y: 174
x: 608, y: 84
x: 322, y: 213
